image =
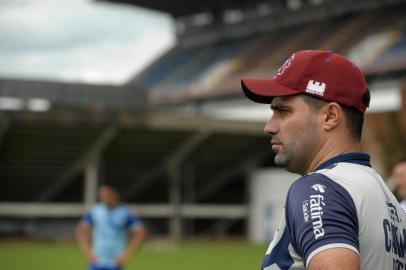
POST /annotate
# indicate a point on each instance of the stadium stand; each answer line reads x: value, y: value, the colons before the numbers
x: 136, y: 159
x: 34, y: 157
x: 213, y: 69
x: 393, y: 58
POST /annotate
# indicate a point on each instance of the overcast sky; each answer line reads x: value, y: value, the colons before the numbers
x: 79, y: 40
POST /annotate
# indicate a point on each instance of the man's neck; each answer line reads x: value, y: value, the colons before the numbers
x: 327, y: 153
x: 111, y: 205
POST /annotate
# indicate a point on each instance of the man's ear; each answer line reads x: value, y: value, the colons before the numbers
x: 331, y: 115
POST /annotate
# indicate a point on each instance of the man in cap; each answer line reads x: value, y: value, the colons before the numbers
x: 339, y: 214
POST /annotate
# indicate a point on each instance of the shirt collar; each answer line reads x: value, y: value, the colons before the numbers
x: 354, y: 157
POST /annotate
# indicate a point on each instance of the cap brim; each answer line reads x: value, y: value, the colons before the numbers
x: 263, y: 91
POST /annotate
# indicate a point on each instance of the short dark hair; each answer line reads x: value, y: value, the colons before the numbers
x: 355, y: 118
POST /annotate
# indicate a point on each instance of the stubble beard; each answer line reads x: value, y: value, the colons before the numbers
x: 295, y: 155
x: 293, y: 161
x: 281, y: 159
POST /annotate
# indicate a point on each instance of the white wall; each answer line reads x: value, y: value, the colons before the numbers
x: 267, y: 197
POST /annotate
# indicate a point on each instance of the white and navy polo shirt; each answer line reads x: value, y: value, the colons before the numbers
x: 343, y: 203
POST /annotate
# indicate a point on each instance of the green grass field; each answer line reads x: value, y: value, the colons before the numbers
x: 156, y: 255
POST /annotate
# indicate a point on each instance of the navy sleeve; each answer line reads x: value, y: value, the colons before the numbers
x: 88, y: 219
x: 320, y: 214
x: 132, y: 221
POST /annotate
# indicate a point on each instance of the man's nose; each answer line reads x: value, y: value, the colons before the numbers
x: 270, y: 127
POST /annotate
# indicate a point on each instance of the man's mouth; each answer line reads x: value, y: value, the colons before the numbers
x: 275, y: 145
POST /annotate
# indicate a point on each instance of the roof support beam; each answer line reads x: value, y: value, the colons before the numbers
x: 142, y: 181
x: 93, y: 153
x: 175, y: 158
x: 90, y: 183
x: 174, y: 166
x: 5, y: 126
x: 226, y: 176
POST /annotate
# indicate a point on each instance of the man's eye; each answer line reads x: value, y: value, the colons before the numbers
x: 281, y: 110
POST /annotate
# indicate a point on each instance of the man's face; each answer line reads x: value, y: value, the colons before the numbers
x: 294, y: 131
x: 399, y: 176
x: 108, y: 196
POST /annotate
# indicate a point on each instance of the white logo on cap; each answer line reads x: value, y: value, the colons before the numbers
x: 316, y: 88
x: 284, y: 66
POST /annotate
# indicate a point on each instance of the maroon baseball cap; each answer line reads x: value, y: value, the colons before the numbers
x: 321, y: 74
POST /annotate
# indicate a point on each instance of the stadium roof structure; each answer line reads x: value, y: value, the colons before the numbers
x: 181, y: 8
x: 197, y: 21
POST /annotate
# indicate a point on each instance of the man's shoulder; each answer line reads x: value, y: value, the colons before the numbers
x: 338, y: 176
x: 348, y: 170
x: 353, y: 177
x: 314, y: 212
x: 317, y: 184
x: 315, y: 181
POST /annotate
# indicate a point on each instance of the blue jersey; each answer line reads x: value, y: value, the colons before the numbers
x: 109, y: 234
x: 343, y: 204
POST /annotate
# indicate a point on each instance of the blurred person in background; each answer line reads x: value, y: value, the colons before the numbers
x: 339, y: 214
x: 107, y: 226
x: 399, y: 179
